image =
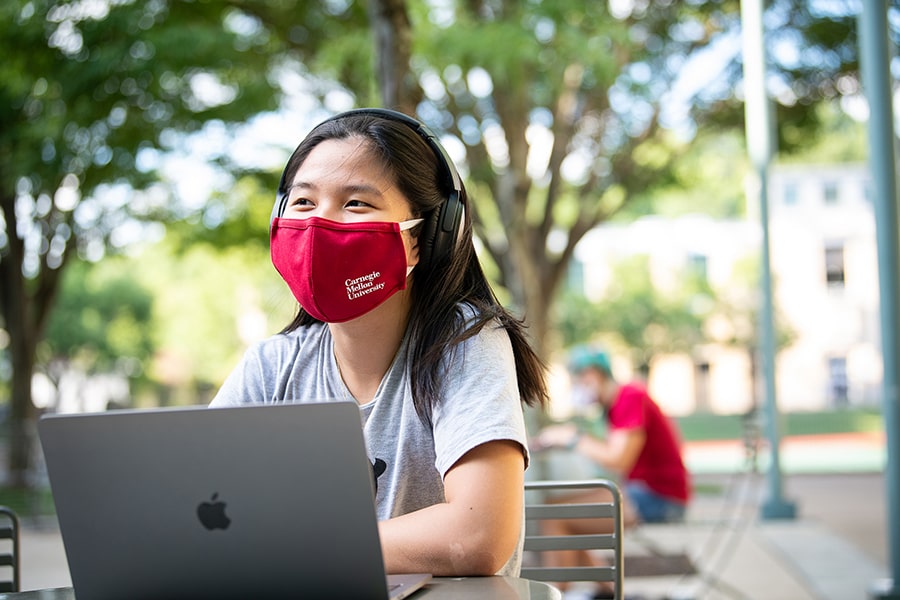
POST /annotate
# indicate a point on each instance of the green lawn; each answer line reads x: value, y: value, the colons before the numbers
x: 28, y: 503
x: 726, y: 427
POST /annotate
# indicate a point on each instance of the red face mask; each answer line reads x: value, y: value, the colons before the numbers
x: 340, y: 271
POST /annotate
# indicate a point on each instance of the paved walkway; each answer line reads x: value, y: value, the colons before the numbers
x: 831, y: 550
x: 835, y: 548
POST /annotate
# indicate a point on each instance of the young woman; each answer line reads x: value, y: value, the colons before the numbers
x: 371, y: 234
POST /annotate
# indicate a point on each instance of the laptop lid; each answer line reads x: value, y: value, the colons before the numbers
x: 256, y: 501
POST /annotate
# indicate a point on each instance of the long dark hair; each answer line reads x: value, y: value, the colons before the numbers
x: 442, y: 288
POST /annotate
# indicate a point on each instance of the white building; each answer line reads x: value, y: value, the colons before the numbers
x: 824, y: 269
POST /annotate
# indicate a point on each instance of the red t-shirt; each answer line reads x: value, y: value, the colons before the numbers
x: 659, y: 464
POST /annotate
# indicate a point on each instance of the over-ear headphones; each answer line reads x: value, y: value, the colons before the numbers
x: 443, y: 227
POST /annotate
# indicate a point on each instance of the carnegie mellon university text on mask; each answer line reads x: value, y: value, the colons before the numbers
x: 361, y: 286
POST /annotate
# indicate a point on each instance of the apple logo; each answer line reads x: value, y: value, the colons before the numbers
x: 212, y: 513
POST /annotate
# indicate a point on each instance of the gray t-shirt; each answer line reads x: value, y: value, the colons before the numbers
x: 480, y: 403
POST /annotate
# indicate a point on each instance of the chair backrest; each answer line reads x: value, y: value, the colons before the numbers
x: 9, y: 552
x: 536, y: 542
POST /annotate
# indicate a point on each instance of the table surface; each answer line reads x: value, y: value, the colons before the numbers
x: 440, y: 588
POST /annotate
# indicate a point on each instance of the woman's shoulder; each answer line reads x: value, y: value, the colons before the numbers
x: 489, y: 339
x: 469, y: 315
x: 291, y: 341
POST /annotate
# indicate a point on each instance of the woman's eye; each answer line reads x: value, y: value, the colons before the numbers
x: 356, y: 204
x: 300, y: 201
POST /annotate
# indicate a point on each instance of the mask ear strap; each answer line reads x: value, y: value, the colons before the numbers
x: 404, y: 225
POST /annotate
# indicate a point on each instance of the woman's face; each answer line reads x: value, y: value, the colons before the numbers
x: 342, y: 181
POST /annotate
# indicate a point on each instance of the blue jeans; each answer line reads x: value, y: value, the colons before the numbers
x: 652, y: 507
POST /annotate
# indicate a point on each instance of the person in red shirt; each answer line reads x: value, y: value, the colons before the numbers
x: 642, y: 448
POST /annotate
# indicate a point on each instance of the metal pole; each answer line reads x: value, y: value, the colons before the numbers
x: 758, y: 121
x: 876, y: 75
x: 774, y: 506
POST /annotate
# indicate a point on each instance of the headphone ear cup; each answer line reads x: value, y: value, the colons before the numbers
x: 277, y: 208
x: 441, y: 230
x: 427, y: 236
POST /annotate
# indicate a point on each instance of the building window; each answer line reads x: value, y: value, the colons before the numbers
x: 834, y: 265
x: 830, y: 192
x: 837, y: 381
x: 790, y: 194
x: 701, y: 384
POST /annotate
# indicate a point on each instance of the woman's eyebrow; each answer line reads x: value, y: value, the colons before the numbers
x: 362, y: 188
x: 352, y: 188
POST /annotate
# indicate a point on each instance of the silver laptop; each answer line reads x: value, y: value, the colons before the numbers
x: 251, y: 502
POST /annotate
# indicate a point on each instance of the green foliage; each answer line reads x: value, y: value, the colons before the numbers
x: 102, y: 318
x: 210, y: 304
x: 813, y: 50
x: 91, y: 93
x: 183, y: 314
x: 706, y: 178
x: 91, y: 90
x: 578, y: 320
x: 637, y: 316
x: 841, y: 139
x: 238, y: 217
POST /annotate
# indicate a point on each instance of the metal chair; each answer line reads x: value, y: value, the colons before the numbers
x: 536, y: 542
x: 9, y: 552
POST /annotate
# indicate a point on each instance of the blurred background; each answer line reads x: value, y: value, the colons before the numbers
x: 602, y: 144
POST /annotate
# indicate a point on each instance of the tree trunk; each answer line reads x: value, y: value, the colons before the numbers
x: 393, y: 48
x: 18, y: 321
x: 22, y: 413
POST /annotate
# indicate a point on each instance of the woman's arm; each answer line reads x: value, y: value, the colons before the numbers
x: 475, y: 531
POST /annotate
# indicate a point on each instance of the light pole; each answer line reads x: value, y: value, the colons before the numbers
x: 758, y: 124
x: 876, y: 74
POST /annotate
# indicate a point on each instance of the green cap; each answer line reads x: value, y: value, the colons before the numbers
x: 584, y: 357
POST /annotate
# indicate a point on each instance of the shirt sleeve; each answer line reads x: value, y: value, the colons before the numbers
x: 480, y: 400
x: 244, y: 383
